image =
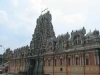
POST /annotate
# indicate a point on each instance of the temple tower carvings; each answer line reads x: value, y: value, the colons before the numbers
x: 43, y: 31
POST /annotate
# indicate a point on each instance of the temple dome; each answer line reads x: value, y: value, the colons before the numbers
x: 89, y: 34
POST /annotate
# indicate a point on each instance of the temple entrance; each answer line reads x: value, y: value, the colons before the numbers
x: 31, y: 67
x: 38, y: 70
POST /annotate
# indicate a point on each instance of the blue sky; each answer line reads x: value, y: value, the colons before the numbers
x: 18, y: 18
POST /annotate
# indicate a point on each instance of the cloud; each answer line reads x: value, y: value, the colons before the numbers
x: 3, y: 16
x: 35, y: 5
x: 71, y: 19
x: 78, y: 18
x: 14, y: 3
x: 3, y: 38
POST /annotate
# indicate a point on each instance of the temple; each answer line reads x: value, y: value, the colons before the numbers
x: 75, y: 53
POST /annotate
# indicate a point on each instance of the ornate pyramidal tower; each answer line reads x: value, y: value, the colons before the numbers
x: 43, y: 31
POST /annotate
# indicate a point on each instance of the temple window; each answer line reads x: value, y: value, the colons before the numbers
x: 77, y: 40
x: 87, y: 61
x: 55, y: 62
x: 68, y: 61
x: 60, y: 61
x: 48, y: 62
x: 76, y: 60
x: 61, y: 69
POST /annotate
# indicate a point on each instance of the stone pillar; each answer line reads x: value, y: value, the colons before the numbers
x: 97, y: 59
x: 80, y: 59
x: 83, y: 60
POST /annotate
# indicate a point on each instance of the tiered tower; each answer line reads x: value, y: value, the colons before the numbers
x: 43, y: 31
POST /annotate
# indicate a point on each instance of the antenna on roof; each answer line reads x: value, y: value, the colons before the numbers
x: 44, y: 10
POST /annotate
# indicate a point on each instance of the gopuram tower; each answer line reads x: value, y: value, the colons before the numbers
x: 43, y: 32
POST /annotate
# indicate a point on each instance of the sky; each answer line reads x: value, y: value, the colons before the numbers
x: 18, y: 18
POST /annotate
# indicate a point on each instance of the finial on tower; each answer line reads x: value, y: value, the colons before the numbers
x: 44, y: 10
